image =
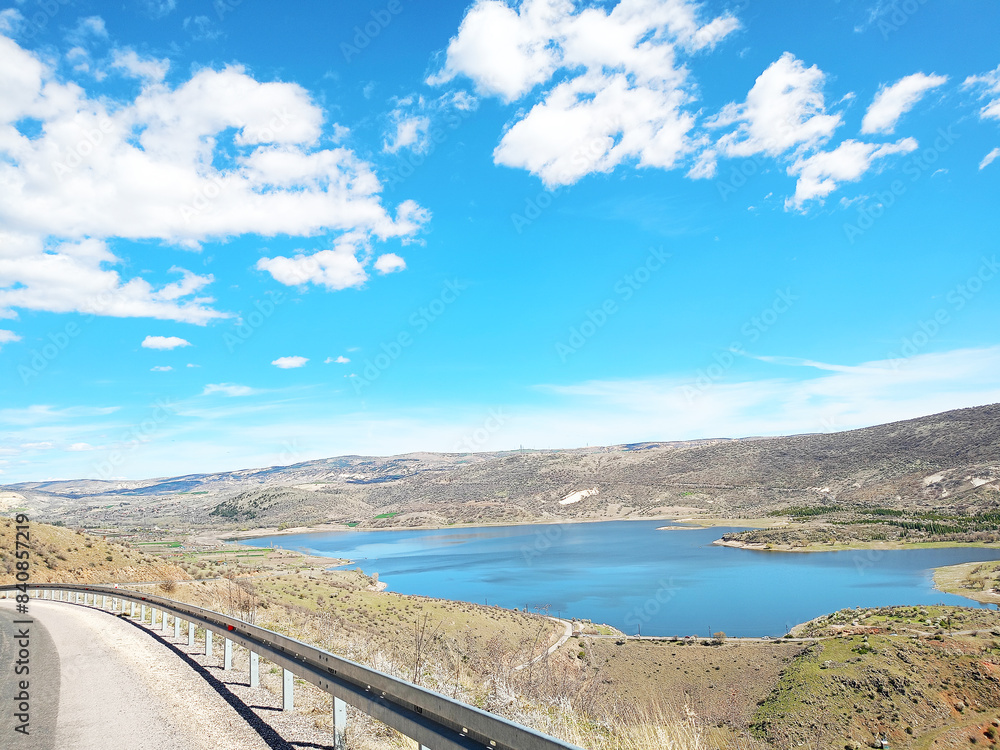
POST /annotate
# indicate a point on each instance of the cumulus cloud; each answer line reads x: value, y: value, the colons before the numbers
x: 80, y: 447
x: 7, y: 337
x: 10, y: 20
x: 163, y: 342
x: 892, y: 102
x: 621, y: 91
x: 161, y: 368
x: 989, y: 158
x: 144, y: 68
x: 819, y: 174
x: 389, y: 263
x: 289, y: 363
x: 341, y: 360
x: 227, y: 389
x: 410, y: 132
x: 785, y: 110
x: 987, y: 86
x: 157, y: 168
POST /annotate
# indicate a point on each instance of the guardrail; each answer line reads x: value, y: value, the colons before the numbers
x: 434, y: 720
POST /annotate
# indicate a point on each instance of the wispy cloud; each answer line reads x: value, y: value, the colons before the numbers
x: 228, y: 389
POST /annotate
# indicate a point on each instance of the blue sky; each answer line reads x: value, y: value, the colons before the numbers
x: 233, y: 236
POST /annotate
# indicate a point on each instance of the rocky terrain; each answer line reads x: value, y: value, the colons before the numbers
x: 946, y: 463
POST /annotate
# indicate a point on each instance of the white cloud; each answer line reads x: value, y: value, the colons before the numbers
x: 389, y: 263
x: 76, y: 447
x: 7, y: 337
x: 623, y: 92
x: 10, y: 21
x: 341, y: 360
x: 40, y: 446
x: 228, y: 389
x: 989, y: 158
x: 784, y: 110
x: 91, y: 26
x: 163, y: 342
x: 155, y: 168
x: 289, y: 363
x: 820, y: 174
x: 144, y: 68
x: 829, y: 397
x: 161, y: 368
x: 892, y: 102
x: 160, y: 8
x: 988, y: 87
x: 410, y: 132
x: 344, y: 265
x: 189, y: 364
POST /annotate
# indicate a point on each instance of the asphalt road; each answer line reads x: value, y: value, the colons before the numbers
x: 96, y: 682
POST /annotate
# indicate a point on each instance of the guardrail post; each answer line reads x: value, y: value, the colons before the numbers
x: 227, y: 655
x: 339, y: 724
x: 254, y: 669
x: 133, y: 609
x: 191, y: 634
x: 177, y: 627
x: 163, y: 625
x: 104, y: 602
x: 142, y: 618
x: 287, y: 691
x: 208, y: 642
x: 152, y: 618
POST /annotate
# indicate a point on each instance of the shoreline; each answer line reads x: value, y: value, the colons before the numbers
x: 858, y: 546
x: 339, y: 527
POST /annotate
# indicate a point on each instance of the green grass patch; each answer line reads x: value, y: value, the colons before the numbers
x: 387, y: 515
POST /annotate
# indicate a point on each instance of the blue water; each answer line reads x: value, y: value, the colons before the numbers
x: 631, y: 576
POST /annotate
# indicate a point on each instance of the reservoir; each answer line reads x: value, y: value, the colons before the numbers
x: 638, y: 579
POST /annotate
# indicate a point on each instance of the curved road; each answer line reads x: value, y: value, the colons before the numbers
x: 100, y: 682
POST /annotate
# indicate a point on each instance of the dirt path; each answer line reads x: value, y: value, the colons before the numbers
x: 567, y: 634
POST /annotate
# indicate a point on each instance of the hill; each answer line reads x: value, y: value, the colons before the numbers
x: 944, y: 463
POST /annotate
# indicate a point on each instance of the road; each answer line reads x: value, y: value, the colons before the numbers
x: 100, y: 682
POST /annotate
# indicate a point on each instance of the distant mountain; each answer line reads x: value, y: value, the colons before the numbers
x: 944, y: 461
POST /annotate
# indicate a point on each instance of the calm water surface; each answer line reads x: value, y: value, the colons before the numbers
x: 628, y: 574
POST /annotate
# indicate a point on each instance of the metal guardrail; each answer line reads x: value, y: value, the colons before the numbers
x: 436, y: 721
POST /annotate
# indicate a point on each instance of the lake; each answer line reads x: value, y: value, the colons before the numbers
x: 631, y: 576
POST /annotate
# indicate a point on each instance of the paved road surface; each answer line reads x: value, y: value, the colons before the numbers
x: 99, y: 683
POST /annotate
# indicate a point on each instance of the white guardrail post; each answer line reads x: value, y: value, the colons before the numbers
x: 431, y: 719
